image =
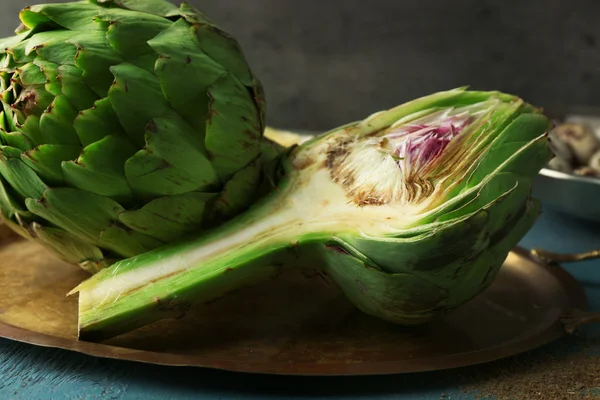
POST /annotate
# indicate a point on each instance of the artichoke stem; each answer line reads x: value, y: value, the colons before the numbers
x: 169, y: 281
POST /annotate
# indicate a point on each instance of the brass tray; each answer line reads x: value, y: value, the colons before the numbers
x: 296, y: 324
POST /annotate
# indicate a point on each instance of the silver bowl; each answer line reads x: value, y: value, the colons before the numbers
x: 577, y: 196
x: 570, y: 194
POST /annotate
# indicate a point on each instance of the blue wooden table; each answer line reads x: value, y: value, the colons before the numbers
x: 29, y: 373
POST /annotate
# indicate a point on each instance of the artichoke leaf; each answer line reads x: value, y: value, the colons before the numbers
x: 177, y: 66
x: 170, y: 217
x: 173, y: 162
x: 94, y: 172
x: 137, y: 99
x: 46, y: 160
x: 78, y: 212
x: 399, y: 297
x: 161, y: 8
x: 93, y: 124
x: 19, y: 175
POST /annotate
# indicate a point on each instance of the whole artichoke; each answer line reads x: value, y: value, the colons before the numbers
x: 125, y: 125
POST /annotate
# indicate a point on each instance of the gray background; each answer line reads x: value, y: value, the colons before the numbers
x: 328, y: 62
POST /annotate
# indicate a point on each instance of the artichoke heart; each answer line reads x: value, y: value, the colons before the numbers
x: 411, y: 211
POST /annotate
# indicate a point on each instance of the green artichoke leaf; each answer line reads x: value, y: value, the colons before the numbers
x: 10, y: 208
x: 19, y: 175
x: 170, y: 217
x: 74, y: 16
x: 161, y: 8
x: 75, y: 90
x: 81, y: 213
x: 396, y: 297
x: 515, y: 191
x: 437, y: 257
x: 94, y: 124
x: 69, y: 247
x: 173, y: 162
x: 225, y: 50
x: 53, y: 46
x: 94, y: 172
x: 46, y: 161
x: 482, y: 272
x: 19, y: 53
x: 508, y: 157
x: 50, y: 71
x: 33, y: 20
x: 522, y: 129
x: 137, y: 99
x: 217, y: 44
x: 3, y: 124
x: 96, y: 58
x: 122, y: 26
x: 233, y: 198
x: 511, y: 136
x: 31, y: 130
x: 29, y: 74
x: 16, y: 140
x: 177, y: 66
x: 56, y: 123
x: 518, y: 158
x: 12, y: 41
x: 127, y: 242
x: 10, y: 119
x: 230, y: 111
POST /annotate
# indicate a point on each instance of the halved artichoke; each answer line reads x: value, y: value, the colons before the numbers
x: 411, y: 211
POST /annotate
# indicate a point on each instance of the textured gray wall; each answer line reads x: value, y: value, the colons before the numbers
x: 328, y: 62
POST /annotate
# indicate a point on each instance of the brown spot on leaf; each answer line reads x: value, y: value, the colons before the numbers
x: 188, y: 60
x: 248, y: 145
x: 211, y: 112
x: 163, y: 165
x: 172, y: 180
x: 252, y: 134
x: 337, y: 249
x: 28, y: 155
x: 152, y: 127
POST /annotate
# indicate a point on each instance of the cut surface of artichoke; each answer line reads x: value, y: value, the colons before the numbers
x: 402, y: 210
